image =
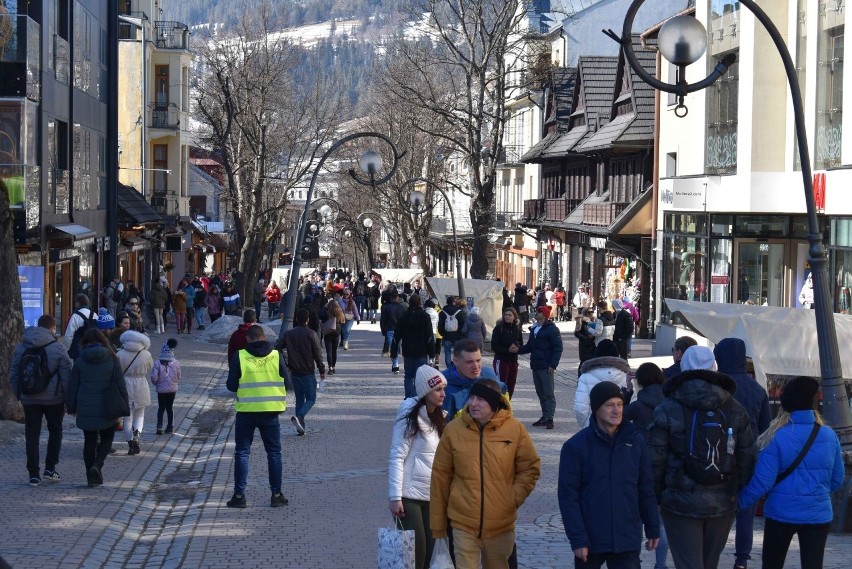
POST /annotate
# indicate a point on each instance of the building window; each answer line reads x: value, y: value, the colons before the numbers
x: 829, y: 86
x: 722, y: 97
x: 161, y: 85
x: 161, y: 164
x: 801, y: 66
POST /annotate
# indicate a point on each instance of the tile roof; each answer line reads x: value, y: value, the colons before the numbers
x: 562, y: 79
x: 533, y: 155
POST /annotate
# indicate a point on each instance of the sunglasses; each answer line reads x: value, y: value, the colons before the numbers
x: 134, y: 303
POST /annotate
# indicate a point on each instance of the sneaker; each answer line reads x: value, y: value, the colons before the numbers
x: 35, y: 481
x: 549, y: 424
x: 385, y: 354
x: 540, y: 423
x: 169, y: 430
x: 237, y: 501
x: 395, y: 370
x: 300, y: 430
x: 278, y: 500
x: 51, y: 476
x: 159, y: 430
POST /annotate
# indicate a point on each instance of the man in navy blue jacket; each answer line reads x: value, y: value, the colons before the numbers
x: 545, y: 349
x: 606, y: 487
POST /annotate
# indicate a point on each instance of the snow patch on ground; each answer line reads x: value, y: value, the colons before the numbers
x: 219, y: 332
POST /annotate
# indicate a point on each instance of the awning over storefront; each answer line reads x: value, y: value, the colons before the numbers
x: 73, y: 230
x: 133, y: 208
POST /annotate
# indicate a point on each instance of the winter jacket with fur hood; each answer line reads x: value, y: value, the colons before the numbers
x: 410, y: 461
x: 58, y: 363
x: 730, y: 354
x: 677, y: 493
x: 94, y: 369
x: 592, y: 372
x: 138, y: 370
x: 482, y: 475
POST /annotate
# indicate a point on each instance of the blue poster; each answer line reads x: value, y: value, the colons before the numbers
x: 32, y: 293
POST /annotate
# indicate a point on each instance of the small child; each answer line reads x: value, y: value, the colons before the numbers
x: 166, y: 375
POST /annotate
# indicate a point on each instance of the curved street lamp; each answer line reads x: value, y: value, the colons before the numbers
x: 682, y: 41
x: 417, y: 199
x: 371, y: 164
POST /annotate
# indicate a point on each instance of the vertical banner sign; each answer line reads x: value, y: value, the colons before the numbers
x: 819, y: 191
x: 32, y: 293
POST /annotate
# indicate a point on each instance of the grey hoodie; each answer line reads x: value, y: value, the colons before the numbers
x: 58, y: 362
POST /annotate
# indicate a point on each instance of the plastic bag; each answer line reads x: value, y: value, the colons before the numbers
x: 441, y: 555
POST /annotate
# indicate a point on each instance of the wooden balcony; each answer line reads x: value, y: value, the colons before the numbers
x: 534, y: 209
x: 602, y: 214
x: 556, y: 209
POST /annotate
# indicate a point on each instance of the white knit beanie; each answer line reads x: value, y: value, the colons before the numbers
x: 427, y: 379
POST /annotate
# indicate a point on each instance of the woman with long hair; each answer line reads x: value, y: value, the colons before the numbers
x: 94, y: 370
x: 506, y: 334
x: 332, y: 318
x: 136, y: 363
x: 798, y: 468
x: 418, y: 426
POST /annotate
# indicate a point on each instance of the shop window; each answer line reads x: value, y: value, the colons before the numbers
x: 684, y: 268
x: 722, y: 97
x: 842, y: 263
x: 722, y: 226
x: 829, y: 128
x: 762, y: 226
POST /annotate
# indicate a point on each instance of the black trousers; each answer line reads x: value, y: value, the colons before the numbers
x: 165, y: 404
x: 624, y: 560
x: 32, y: 432
x: 776, y: 542
x: 96, y: 446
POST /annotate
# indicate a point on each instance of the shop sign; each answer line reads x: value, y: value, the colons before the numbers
x: 32, y: 293
x: 597, y: 242
x: 819, y: 191
x: 719, y: 279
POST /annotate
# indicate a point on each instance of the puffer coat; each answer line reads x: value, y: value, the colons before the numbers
x: 410, y: 460
x: 592, y: 372
x: 677, y: 493
x: 58, y: 362
x: 94, y: 369
x: 136, y: 371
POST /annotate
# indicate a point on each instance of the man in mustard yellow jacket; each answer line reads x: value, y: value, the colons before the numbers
x: 484, y: 469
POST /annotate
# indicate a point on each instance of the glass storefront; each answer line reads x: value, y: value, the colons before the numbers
x: 841, y: 264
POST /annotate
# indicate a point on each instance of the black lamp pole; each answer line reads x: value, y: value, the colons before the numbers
x: 834, y: 397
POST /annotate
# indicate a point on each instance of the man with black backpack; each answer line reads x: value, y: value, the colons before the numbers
x: 81, y: 320
x: 702, y: 453
x: 39, y: 375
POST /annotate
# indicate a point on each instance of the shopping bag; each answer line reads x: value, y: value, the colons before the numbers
x: 395, y: 547
x: 441, y: 555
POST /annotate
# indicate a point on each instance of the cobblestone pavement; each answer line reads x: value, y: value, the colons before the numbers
x: 166, y: 506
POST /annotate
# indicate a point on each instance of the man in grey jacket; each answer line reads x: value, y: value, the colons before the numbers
x: 49, y: 403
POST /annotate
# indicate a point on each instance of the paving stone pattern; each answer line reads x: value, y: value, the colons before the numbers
x: 166, y: 506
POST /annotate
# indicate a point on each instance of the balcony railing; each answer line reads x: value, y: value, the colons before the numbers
x: 19, y: 59
x: 24, y: 186
x: 61, y: 59
x: 164, y: 202
x: 556, y: 209
x: 129, y: 31
x: 602, y: 214
x: 171, y: 35
x: 534, y: 209
x: 511, y: 154
x: 165, y: 116
x: 506, y: 219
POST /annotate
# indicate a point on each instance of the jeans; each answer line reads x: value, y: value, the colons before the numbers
x: 305, y: 387
x: 96, y: 447
x: 662, y: 550
x: 347, y: 329
x: 544, y: 385
x: 270, y: 433
x: 448, y: 350
x: 257, y: 305
x: 274, y: 308
x: 389, y: 336
x: 165, y: 404
x: 623, y: 560
x: 745, y: 534
x: 697, y: 543
x: 361, y: 303
x: 411, y: 365
x: 417, y: 519
x: 32, y: 432
x: 200, y: 316
x: 776, y: 542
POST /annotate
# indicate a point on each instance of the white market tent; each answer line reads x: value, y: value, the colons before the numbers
x: 780, y: 341
x: 399, y: 275
x: 281, y: 275
x: 487, y: 295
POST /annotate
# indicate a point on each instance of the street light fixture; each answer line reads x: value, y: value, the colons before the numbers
x: 371, y: 164
x: 685, y: 37
x: 418, y: 205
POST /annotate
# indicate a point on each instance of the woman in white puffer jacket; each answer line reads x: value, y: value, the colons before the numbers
x: 416, y: 431
x: 136, y: 361
x: 604, y: 365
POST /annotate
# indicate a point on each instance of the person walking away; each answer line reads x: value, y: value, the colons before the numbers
x: 604, y: 327
x: 136, y: 364
x: 179, y: 302
x: 680, y: 346
x: 462, y: 372
x: 83, y: 319
x: 641, y: 414
x: 351, y: 316
x: 332, y: 319
x: 303, y: 353
x: 697, y: 489
x: 39, y: 375
x: 392, y: 311
x: 214, y: 303
x: 604, y: 365
x: 450, y: 322
x: 373, y: 294
x: 545, y: 348
x: 259, y: 296
x: 507, y: 333
x: 189, y: 290
x: 111, y: 296
x: 558, y: 299
x: 603, y: 508
x: 94, y: 370
x: 463, y: 487
x: 414, y: 332
x: 200, y: 304
x: 257, y: 375
x: 273, y: 300
x: 359, y: 292
x: 165, y: 375
x: 238, y: 340
x: 521, y: 301
x: 623, y: 331
x: 432, y: 310
x: 474, y: 328
x: 159, y: 299
x: 799, y: 465
x: 417, y: 429
x: 586, y: 340
x: 730, y: 354
x: 634, y: 315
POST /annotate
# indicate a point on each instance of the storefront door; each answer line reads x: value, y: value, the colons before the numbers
x: 762, y: 273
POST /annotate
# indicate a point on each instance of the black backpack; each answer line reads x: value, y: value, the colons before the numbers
x: 711, y: 446
x: 88, y: 324
x: 33, y: 373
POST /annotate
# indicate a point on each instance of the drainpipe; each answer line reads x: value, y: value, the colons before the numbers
x: 652, y: 269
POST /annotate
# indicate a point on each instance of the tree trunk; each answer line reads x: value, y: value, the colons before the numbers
x: 251, y: 255
x: 11, y: 309
x: 481, y: 218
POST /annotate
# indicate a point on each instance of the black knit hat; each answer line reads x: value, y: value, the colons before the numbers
x: 603, y: 392
x: 800, y: 394
x: 606, y: 348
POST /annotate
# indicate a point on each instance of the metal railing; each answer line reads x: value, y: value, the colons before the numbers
x: 165, y: 116
x: 171, y: 35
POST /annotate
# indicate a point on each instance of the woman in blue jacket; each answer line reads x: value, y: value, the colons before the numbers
x: 800, y: 504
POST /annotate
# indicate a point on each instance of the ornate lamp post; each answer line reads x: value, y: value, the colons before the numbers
x: 417, y: 199
x: 370, y: 164
x: 682, y: 41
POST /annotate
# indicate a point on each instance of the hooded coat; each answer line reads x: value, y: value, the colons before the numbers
x: 641, y: 411
x: 676, y: 492
x: 604, y: 327
x: 58, y: 363
x: 410, y: 460
x: 458, y: 387
x: 592, y: 372
x: 474, y: 330
x: 94, y: 369
x: 136, y: 363
x: 482, y: 475
x: 730, y: 354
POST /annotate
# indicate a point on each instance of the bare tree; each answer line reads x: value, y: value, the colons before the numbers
x: 11, y: 309
x: 457, y: 75
x: 269, y: 121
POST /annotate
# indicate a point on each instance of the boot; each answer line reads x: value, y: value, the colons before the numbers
x: 131, y: 450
